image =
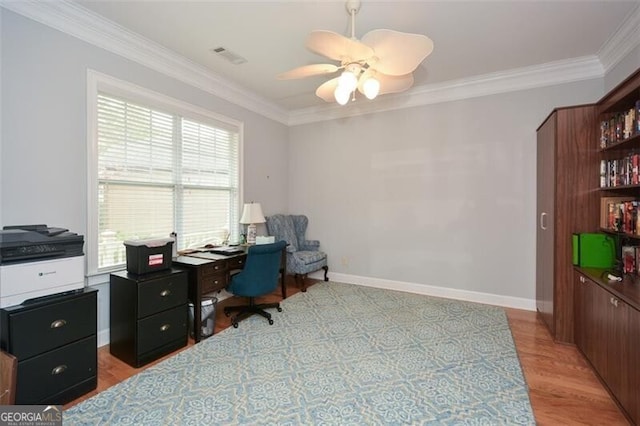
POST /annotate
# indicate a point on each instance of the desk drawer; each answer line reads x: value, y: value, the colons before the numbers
x: 214, y: 268
x: 237, y: 262
x: 51, y: 373
x: 160, y: 294
x: 160, y: 329
x: 34, y: 331
x: 215, y: 282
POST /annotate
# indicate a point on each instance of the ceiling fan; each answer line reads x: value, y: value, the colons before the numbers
x: 382, y: 62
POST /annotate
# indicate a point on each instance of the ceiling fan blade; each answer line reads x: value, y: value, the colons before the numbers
x: 397, y: 53
x: 326, y: 90
x: 338, y: 47
x: 308, y: 71
x: 388, y: 83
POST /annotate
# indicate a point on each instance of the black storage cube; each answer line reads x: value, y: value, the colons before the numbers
x: 144, y: 256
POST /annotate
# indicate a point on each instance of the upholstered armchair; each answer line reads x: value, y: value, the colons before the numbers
x: 303, y: 256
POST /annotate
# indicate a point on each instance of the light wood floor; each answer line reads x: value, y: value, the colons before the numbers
x: 562, y: 387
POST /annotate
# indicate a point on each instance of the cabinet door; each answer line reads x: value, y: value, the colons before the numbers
x: 545, y: 204
x: 618, y: 345
x: 580, y: 311
x: 606, y: 332
x: 634, y: 364
x: 593, y: 315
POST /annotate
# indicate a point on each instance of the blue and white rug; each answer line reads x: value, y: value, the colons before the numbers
x: 338, y: 354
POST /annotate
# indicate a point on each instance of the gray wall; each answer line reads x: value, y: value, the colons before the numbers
x: 43, y: 167
x: 441, y: 195
x: 623, y: 69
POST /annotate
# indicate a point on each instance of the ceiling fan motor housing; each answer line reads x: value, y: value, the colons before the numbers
x: 352, y: 6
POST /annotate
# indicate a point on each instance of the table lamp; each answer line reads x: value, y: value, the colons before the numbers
x: 252, y: 214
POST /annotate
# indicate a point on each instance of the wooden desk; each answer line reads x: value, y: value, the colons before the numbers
x: 209, y: 272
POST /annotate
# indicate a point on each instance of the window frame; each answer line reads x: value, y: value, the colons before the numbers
x: 99, y: 82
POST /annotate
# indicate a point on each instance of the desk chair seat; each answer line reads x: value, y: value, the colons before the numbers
x: 259, y: 277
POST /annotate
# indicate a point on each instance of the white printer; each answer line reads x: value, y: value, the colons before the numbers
x: 36, y: 260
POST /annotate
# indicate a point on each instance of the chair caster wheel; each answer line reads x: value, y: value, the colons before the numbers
x: 235, y: 325
x: 279, y: 309
x: 270, y: 322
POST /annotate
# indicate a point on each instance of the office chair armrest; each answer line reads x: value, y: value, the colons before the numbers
x: 311, y: 245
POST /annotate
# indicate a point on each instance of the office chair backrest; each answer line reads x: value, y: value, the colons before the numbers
x: 261, y: 271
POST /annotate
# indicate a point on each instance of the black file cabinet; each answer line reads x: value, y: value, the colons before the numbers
x: 148, y: 315
x: 54, y: 340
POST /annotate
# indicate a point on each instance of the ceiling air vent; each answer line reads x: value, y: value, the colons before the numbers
x: 229, y: 55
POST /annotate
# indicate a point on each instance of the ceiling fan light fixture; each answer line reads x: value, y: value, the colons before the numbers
x: 371, y: 88
x: 382, y: 62
x: 342, y: 95
x: 348, y: 81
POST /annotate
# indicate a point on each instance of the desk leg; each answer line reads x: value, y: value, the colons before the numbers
x: 283, y: 272
x: 283, y: 285
x: 197, y: 313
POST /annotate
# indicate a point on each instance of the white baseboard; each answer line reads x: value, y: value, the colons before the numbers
x: 429, y: 290
x: 103, y: 337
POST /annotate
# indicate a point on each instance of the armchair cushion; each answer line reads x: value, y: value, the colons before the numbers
x: 309, y: 257
x: 312, y: 245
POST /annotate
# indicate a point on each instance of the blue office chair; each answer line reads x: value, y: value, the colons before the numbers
x: 258, y: 277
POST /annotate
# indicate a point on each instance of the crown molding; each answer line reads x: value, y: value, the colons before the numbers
x: 550, y: 74
x: 90, y: 27
x: 622, y: 41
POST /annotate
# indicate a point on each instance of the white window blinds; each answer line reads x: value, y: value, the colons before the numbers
x: 159, y: 172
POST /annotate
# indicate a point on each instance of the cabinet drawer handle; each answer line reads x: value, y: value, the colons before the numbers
x: 582, y: 279
x: 58, y: 323
x: 240, y: 261
x: 216, y: 267
x: 543, y: 225
x: 58, y: 370
x: 165, y: 327
x: 165, y: 293
x: 215, y: 282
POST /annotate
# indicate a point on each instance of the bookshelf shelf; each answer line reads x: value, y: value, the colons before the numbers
x: 620, y: 234
x: 621, y: 188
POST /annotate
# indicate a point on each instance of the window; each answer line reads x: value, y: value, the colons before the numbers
x: 158, y: 166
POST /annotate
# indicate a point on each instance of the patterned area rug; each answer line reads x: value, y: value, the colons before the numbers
x: 337, y: 355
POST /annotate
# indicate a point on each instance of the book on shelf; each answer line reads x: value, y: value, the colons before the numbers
x: 629, y: 259
x: 612, y: 212
x: 620, y: 126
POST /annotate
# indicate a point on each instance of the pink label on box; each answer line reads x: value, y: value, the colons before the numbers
x: 156, y: 259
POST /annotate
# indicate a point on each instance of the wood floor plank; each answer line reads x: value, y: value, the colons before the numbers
x: 563, y: 388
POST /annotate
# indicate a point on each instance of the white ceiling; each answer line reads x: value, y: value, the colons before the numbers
x: 471, y: 38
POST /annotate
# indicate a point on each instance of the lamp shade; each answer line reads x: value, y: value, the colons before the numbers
x: 252, y: 213
x: 371, y: 88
